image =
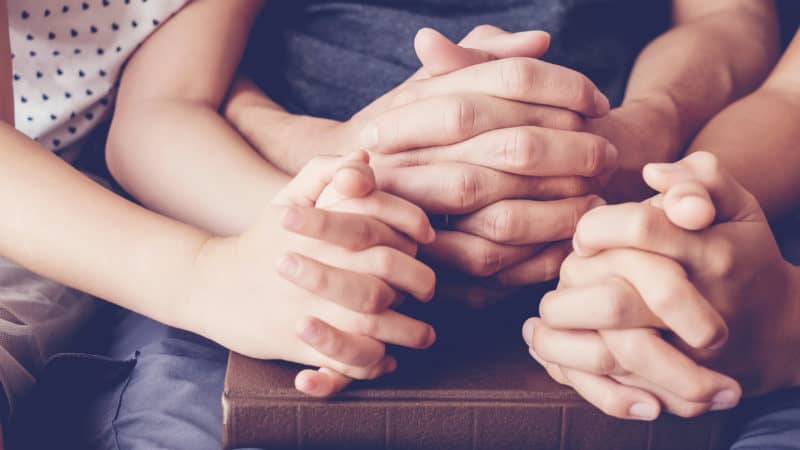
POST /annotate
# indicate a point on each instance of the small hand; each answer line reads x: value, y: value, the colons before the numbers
x: 337, y: 274
x: 715, y: 289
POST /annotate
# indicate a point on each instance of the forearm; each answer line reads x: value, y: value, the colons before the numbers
x: 182, y: 159
x: 707, y: 60
x: 279, y: 136
x: 62, y: 225
x: 756, y: 140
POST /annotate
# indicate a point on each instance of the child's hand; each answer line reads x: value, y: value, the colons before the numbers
x: 314, y: 286
x: 725, y: 292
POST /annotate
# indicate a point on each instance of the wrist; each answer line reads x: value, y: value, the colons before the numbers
x: 286, y: 140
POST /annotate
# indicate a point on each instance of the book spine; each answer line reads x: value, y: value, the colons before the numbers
x: 454, y: 425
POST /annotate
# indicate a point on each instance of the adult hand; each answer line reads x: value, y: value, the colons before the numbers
x: 698, y: 262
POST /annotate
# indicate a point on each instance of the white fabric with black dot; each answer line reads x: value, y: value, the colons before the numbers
x: 67, y: 57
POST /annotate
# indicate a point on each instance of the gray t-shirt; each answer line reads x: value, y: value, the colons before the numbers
x: 332, y: 58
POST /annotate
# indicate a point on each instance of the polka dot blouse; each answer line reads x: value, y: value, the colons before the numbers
x: 67, y: 56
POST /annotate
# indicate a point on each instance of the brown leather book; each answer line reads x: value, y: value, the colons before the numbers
x: 475, y: 389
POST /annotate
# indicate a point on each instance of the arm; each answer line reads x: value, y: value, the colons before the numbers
x: 166, y: 120
x: 716, y: 52
x: 64, y: 226
x: 752, y: 134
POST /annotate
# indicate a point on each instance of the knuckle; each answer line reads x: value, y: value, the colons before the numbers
x: 316, y: 280
x: 612, y: 405
x: 364, y: 237
x: 374, y: 300
x: 501, y: 224
x: 604, y: 363
x: 644, y: 224
x: 707, y: 166
x: 617, y: 309
x: 687, y: 410
x: 384, y: 262
x: 720, y: 258
x: 566, y: 120
x: 520, y: 149
x: 575, y: 187
x: 595, y: 154
x: 368, y: 325
x: 581, y: 92
x: 629, y: 355
x: 460, y: 118
x: 516, y: 76
x: 551, y: 265
x: 467, y: 191
x: 699, y: 390
x: 488, y: 262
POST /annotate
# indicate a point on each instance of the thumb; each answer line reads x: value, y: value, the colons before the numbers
x: 329, y: 177
x: 687, y: 205
x: 439, y: 55
x: 697, y: 192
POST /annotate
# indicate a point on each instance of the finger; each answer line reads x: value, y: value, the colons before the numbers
x: 474, y: 255
x: 454, y: 188
x: 612, y: 398
x: 450, y: 119
x: 382, y: 367
x: 354, y: 291
x: 640, y: 226
x: 732, y: 201
x: 395, y: 212
x: 642, y: 352
x: 670, y: 402
x: 580, y: 350
x: 306, y: 187
x: 320, y: 383
x: 532, y: 151
x: 522, y: 222
x: 439, y: 55
x: 542, y: 267
x: 346, y: 348
x: 609, y: 304
x: 354, y: 232
x: 355, y: 178
x: 553, y: 370
x: 664, y: 287
x: 401, y: 271
x: 689, y: 206
x: 390, y: 326
x: 521, y: 79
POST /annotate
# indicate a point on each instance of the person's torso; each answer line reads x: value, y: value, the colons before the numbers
x: 67, y: 58
x: 331, y: 58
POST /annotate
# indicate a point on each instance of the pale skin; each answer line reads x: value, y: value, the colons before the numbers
x: 62, y: 225
x: 722, y: 280
x: 702, y: 57
x: 233, y: 180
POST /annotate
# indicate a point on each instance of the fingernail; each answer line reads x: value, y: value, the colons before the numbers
x: 369, y: 137
x: 527, y: 332
x: 601, y: 103
x: 288, y: 266
x: 726, y: 399
x: 611, y: 156
x: 311, y: 333
x: 596, y: 203
x: 644, y: 411
x: 292, y: 219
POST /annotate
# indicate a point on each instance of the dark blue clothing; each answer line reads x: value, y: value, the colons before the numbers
x: 332, y: 58
x: 156, y: 387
